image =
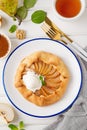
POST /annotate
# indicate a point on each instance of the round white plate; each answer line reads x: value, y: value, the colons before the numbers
x: 56, y: 48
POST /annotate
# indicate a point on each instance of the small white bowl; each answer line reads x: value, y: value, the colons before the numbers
x: 83, y: 6
x: 9, y: 44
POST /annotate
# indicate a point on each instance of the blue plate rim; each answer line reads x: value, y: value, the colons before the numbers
x: 47, y: 116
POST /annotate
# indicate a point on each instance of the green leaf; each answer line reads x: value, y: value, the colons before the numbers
x: 38, y: 16
x: 29, y: 3
x: 12, y: 28
x: 21, y: 125
x: 13, y: 127
x: 21, y: 13
x: 42, y: 80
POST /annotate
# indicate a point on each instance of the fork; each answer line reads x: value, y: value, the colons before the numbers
x: 55, y: 33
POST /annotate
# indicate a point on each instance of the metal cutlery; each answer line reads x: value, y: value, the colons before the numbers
x: 56, y: 34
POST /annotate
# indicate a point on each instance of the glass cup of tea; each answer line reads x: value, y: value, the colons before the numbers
x: 69, y: 10
x: 5, y: 46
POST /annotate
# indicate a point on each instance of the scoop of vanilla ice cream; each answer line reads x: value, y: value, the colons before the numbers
x: 32, y: 81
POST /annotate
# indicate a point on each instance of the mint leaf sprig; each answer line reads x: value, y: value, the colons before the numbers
x: 19, y: 127
x: 22, y: 11
x: 13, y: 28
x: 42, y: 80
x: 38, y: 16
x: 29, y: 3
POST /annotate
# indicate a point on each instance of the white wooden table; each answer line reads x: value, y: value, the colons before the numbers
x: 76, y: 30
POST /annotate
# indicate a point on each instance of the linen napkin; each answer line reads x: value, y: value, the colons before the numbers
x: 76, y: 117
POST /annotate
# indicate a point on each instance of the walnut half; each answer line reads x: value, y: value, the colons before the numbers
x: 20, y: 34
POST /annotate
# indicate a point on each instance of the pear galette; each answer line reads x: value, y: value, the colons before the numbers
x: 55, y: 78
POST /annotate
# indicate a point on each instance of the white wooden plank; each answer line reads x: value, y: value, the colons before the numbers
x: 76, y: 30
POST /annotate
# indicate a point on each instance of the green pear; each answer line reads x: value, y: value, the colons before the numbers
x: 9, y: 6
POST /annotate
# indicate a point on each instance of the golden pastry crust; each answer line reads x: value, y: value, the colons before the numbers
x: 55, y: 73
